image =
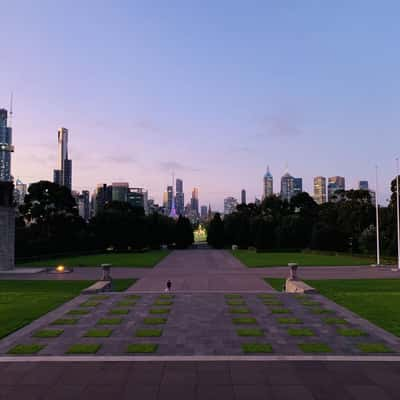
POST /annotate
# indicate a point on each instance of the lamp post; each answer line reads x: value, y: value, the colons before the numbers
x: 378, y: 255
x: 398, y: 214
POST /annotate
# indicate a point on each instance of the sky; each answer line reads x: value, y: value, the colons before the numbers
x: 211, y: 90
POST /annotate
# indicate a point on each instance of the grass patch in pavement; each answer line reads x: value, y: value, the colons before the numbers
x: 83, y: 349
x: 148, y: 333
x: 236, y: 302
x: 289, y: 321
x: 109, y: 321
x: 142, y: 348
x: 281, y: 311
x: 300, y: 332
x: 155, y: 321
x: 374, y: 348
x: 240, y: 321
x: 48, y: 333
x: 163, y: 303
x: 351, y: 332
x: 78, y: 312
x: 98, y: 333
x: 119, y: 311
x: 65, y: 321
x: 159, y: 311
x: 242, y: 310
x: 335, y: 321
x: 21, y: 349
x: 256, y: 348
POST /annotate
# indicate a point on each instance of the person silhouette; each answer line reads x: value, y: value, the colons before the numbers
x: 169, y: 284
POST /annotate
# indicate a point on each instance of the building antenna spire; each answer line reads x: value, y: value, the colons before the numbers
x: 11, y: 108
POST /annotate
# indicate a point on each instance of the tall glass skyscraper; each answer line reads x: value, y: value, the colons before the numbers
x: 179, y: 197
x: 335, y: 183
x: 63, y: 173
x: 268, y: 184
x: 6, y: 148
x: 320, y: 189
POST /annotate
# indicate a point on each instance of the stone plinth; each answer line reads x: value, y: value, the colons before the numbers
x: 7, y: 238
x: 294, y: 286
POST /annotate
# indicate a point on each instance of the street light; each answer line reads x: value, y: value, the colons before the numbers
x: 378, y: 255
x: 398, y: 214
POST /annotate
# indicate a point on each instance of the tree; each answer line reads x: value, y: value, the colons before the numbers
x: 215, y: 234
x: 183, y: 233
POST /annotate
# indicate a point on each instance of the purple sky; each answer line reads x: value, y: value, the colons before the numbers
x: 214, y: 91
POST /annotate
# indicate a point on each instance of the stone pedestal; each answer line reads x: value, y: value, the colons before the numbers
x: 7, y: 238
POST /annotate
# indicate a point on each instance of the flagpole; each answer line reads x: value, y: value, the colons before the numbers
x: 378, y: 255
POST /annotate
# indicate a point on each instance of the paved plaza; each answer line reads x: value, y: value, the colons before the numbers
x: 222, y: 333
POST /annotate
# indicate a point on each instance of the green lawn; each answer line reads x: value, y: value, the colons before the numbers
x: 146, y: 260
x: 254, y: 260
x: 21, y: 302
x: 377, y: 300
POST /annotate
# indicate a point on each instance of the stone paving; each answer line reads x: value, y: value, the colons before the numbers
x: 204, y: 324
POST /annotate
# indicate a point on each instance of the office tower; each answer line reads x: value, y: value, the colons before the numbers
x: 120, y: 191
x: 363, y: 185
x: 230, y: 204
x: 63, y: 174
x: 297, y: 185
x: 203, y: 212
x: 335, y: 183
x: 287, y: 186
x: 20, y: 191
x: 320, y: 189
x: 165, y: 200
x: 194, y: 201
x: 243, y: 197
x: 102, y: 196
x: 137, y: 197
x: 170, y: 198
x: 268, y: 184
x: 83, y: 204
x: 6, y: 147
x: 179, y: 197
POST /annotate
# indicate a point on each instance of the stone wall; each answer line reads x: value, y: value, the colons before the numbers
x: 7, y: 238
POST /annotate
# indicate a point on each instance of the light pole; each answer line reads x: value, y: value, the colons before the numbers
x: 378, y: 255
x: 398, y: 214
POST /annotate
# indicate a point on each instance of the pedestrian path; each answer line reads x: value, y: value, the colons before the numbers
x: 193, y: 324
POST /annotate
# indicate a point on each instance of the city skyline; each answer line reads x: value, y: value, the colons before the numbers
x: 239, y: 101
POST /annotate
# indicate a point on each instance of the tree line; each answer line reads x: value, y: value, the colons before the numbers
x: 48, y: 222
x: 346, y: 224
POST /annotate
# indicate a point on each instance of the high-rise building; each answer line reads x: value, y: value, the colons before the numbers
x: 335, y: 183
x: 243, y: 197
x: 179, y: 197
x: 120, y: 191
x: 297, y: 185
x: 194, y: 201
x: 20, y: 191
x: 204, y: 212
x: 83, y: 204
x: 268, y: 184
x: 6, y: 147
x: 320, y: 189
x: 63, y: 174
x: 363, y: 185
x: 287, y: 186
x: 137, y: 197
x: 170, y: 198
x: 230, y: 204
x: 102, y: 196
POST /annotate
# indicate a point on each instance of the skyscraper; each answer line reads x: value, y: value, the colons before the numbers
x: 320, y: 189
x: 20, y: 191
x: 230, y: 204
x: 297, y: 185
x: 335, y: 183
x: 102, y: 196
x: 6, y: 147
x: 203, y: 212
x: 120, y: 191
x: 170, y: 196
x: 268, y: 184
x: 194, y: 201
x: 83, y: 205
x: 363, y: 185
x: 287, y: 185
x: 63, y: 174
x: 179, y: 197
x: 243, y: 196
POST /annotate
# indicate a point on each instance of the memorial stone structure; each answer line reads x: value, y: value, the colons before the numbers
x: 7, y: 226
